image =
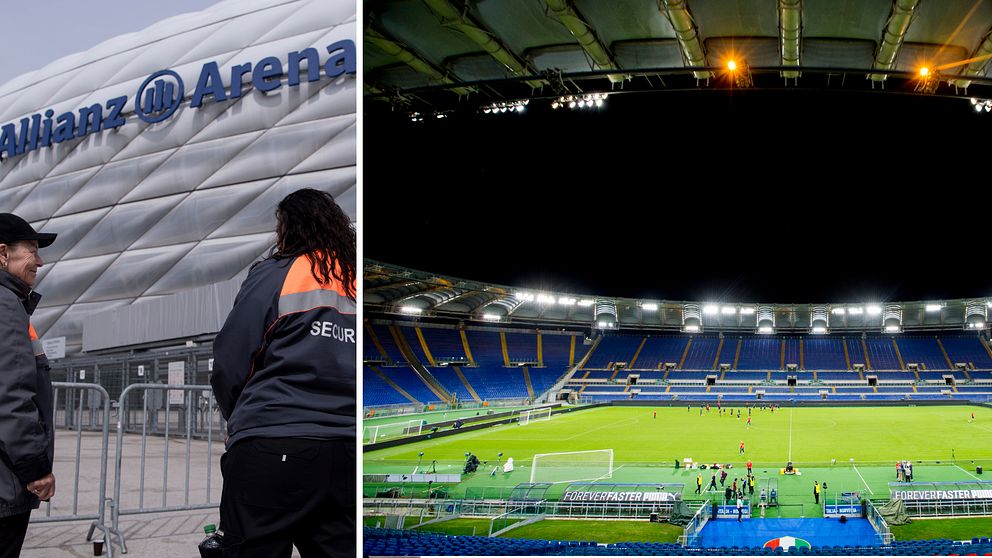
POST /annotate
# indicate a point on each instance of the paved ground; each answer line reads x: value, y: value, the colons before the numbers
x: 172, y: 534
x: 163, y: 535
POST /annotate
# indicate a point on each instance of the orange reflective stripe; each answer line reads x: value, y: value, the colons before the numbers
x: 301, y: 280
x: 32, y: 332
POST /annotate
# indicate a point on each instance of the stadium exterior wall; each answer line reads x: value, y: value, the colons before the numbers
x: 183, y: 315
x: 152, y: 193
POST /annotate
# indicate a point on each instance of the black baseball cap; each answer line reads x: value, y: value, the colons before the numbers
x: 13, y: 229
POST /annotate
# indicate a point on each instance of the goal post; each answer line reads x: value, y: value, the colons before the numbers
x: 413, y: 427
x: 531, y: 415
x: 370, y: 434
x: 377, y: 433
x: 572, y: 466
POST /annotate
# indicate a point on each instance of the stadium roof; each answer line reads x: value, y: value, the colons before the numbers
x: 390, y: 289
x: 434, y: 55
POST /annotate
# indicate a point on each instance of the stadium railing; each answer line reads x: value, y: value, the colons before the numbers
x: 695, y: 526
x: 878, y: 522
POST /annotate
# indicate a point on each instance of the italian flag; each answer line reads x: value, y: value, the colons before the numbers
x: 785, y: 543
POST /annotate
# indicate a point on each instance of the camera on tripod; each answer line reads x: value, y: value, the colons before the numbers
x: 471, y: 463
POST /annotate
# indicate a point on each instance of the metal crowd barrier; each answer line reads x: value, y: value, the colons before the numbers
x: 72, y: 412
x: 194, y: 418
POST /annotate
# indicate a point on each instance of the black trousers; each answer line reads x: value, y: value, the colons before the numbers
x: 280, y: 492
x: 12, y: 531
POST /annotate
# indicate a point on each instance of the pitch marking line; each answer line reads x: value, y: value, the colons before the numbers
x: 863, y: 480
x: 607, y: 425
x: 607, y: 475
x: 790, y: 433
x: 982, y: 427
x: 966, y: 472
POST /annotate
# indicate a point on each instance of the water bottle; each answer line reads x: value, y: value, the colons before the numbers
x: 213, y: 545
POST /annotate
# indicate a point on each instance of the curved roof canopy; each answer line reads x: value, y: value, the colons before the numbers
x: 390, y: 289
x: 434, y: 54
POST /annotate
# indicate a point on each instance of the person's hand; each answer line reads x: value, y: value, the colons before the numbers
x: 43, y: 488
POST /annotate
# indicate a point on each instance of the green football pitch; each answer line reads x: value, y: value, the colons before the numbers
x: 851, y: 448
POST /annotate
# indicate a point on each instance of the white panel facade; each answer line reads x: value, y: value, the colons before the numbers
x: 148, y: 209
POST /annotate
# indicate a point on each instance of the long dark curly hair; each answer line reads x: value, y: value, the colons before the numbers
x: 309, y: 222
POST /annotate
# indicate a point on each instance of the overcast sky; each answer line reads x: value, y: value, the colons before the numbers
x: 38, y: 32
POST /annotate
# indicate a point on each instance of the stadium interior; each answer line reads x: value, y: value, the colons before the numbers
x: 453, y: 365
x: 443, y: 356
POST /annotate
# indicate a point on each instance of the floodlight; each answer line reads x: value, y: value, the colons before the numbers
x: 728, y: 310
x: 545, y: 299
x: 838, y: 311
x: 585, y: 302
x: 410, y: 310
x: 490, y: 317
x: 892, y: 329
x: 747, y: 310
x: 765, y: 330
x: 649, y: 306
x: 691, y: 328
x: 874, y: 310
x: 855, y: 311
x: 819, y: 330
x: 934, y: 307
x: 710, y: 309
x: 924, y: 71
x: 731, y: 65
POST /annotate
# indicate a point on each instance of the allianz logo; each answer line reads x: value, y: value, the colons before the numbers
x: 163, y: 92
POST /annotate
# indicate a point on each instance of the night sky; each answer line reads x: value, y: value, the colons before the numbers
x: 764, y: 196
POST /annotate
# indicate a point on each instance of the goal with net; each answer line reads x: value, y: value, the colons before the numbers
x: 572, y: 466
x: 378, y: 433
x: 527, y: 417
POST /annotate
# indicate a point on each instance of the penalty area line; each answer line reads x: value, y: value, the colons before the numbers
x: 863, y: 479
x: 966, y: 472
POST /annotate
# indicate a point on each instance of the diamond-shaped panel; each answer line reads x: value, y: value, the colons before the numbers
x: 151, y: 209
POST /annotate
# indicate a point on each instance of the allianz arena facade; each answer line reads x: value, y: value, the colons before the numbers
x: 159, y: 176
